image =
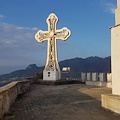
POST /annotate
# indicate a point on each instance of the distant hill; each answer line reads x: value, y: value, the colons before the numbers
x: 90, y: 64
x: 17, y: 75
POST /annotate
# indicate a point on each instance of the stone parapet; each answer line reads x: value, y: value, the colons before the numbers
x: 9, y: 93
x: 99, y: 79
x: 99, y: 83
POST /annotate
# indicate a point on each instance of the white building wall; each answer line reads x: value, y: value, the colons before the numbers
x: 115, y: 58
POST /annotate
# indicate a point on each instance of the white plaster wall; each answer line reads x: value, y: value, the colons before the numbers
x: 115, y: 59
x: 117, y: 13
x: 117, y: 16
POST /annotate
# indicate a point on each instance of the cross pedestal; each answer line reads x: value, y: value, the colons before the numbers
x: 52, y: 69
x: 51, y: 75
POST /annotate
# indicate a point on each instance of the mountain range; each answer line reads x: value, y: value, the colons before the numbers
x: 90, y: 64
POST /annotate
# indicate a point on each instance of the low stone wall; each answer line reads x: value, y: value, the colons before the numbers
x: 98, y: 79
x: 103, y: 77
x: 99, y: 83
x: 111, y: 102
x: 9, y: 93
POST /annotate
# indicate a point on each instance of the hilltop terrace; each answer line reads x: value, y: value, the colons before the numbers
x: 53, y: 102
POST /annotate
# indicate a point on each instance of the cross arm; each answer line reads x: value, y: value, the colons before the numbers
x: 63, y: 33
x: 41, y: 36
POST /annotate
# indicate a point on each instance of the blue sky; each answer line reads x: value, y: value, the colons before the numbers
x: 88, y: 21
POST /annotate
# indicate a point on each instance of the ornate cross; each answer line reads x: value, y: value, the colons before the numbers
x: 52, y: 35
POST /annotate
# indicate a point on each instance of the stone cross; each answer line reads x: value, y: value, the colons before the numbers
x: 52, y: 35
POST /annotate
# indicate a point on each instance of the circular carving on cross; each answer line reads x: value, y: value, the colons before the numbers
x: 51, y: 34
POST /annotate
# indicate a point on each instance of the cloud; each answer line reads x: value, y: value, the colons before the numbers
x: 112, y: 10
x: 109, y: 7
x: 1, y: 16
x: 10, y: 34
x: 19, y: 47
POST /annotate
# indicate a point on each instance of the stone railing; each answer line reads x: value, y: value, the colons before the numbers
x: 9, y: 93
x: 103, y: 77
x: 97, y: 79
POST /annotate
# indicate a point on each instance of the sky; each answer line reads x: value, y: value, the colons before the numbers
x: 88, y: 21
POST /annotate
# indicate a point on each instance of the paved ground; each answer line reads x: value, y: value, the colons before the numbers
x: 63, y: 102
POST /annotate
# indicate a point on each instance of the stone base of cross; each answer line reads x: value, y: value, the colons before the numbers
x: 51, y: 75
x: 52, y: 69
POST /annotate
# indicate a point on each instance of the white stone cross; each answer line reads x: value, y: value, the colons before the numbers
x: 52, y: 35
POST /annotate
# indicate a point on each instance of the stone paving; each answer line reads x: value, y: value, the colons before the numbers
x: 63, y: 102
